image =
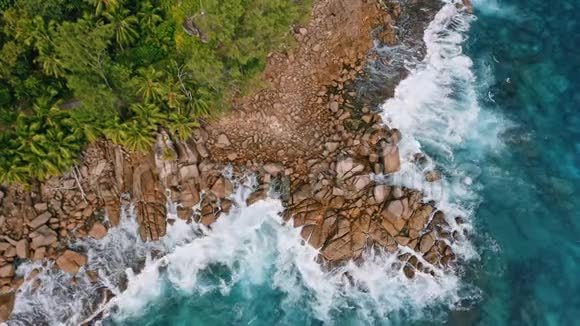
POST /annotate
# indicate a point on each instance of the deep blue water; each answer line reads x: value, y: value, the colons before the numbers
x: 526, y: 64
x: 530, y: 189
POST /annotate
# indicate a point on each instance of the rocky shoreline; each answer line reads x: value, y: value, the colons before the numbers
x: 307, y: 135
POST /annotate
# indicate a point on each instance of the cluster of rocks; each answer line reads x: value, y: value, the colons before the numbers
x: 343, y: 210
x: 40, y: 222
x: 288, y: 120
x: 37, y: 223
x: 339, y: 205
x: 196, y: 183
x: 328, y: 147
x: 304, y: 135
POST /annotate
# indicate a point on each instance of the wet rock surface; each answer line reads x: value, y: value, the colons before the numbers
x: 310, y: 136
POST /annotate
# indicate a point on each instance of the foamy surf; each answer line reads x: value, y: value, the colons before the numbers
x: 257, y: 248
x: 53, y: 297
x: 436, y: 110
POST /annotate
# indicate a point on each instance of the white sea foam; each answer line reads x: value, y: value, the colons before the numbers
x: 495, y: 8
x: 436, y: 110
x: 251, y: 241
x: 63, y: 299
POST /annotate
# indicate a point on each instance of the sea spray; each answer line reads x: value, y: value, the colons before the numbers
x: 54, y: 297
x: 436, y: 109
x: 256, y: 267
x: 252, y: 248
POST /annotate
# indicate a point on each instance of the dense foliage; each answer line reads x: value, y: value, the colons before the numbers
x: 75, y: 70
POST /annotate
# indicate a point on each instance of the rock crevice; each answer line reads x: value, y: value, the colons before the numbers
x: 306, y: 135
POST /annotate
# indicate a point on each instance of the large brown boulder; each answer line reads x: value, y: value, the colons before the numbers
x: 39, y: 254
x: 223, y: 141
x: 394, y: 210
x: 40, y: 207
x: 6, y: 305
x: 43, y: 236
x: 7, y: 271
x: 71, y: 261
x: 381, y: 193
x: 189, y: 172
x: 222, y: 187
x: 98, y: 231
x: 338, y: 249
x: 432, y: 176
x: 189, y: 197
x: 273, y: 168
x: 391, y: 159
x: 393, y: 219
x: 22, y: 248
x: 40, y: 220
x: 343, y: 168
x: 256, y: 196
x: 420, y: 217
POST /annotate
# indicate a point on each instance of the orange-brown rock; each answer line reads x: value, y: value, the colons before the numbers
x: 222, y: 187
x: 7, y: 271
x: 287, y: 116
x: 391, y: 159
x: 43, y: 236
x: 432, y: 176
x: 304, y: 134
x: 71, y: 261
x: 22, y: 249
x: 98, y: 231
x: 6, y: 305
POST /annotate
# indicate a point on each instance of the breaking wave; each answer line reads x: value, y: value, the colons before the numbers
x: 251, y: 267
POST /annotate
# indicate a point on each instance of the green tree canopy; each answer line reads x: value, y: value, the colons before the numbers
x: 73, y: 71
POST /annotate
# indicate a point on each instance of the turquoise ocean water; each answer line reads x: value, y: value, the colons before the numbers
x: 494, y: 104
x: 530, y: 188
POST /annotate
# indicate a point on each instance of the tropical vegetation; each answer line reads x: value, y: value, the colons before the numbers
x: 74, y: 71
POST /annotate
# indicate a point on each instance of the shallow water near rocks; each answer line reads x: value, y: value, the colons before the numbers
x: 252, y: 269
x: 502, y: 121
x: 494, y: 106
x: 530, y: 188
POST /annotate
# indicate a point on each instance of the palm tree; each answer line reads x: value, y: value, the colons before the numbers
x: 175, y: 98
x: 64, y: 147
x: 52, y: 117
x: 46, y: 140
x: 40, y: 167
x: 38, y: 157
x: 12, y: 174
x: 103, y: 5
x: 114, y: 132
x: 138, y: 138
x: 39, y: 145
x: 86, y: 131
x: 148, y: 115
x: 200, y: 107
x: 33, y: 31
x: 137, y: 134
x: 200, y: 103
x: 11, y: 168
x: 149, y: 16
x: 181, y: 125
x: 51, y: 64
x: 149, y: 85
x: 88, y: 124
x: 125, y: 26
